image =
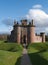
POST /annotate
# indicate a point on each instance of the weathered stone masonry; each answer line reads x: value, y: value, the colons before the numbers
x: 25, y: 33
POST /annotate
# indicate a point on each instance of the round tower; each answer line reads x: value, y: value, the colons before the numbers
x: 32, y: 32
x: 18, y: 33
x: 43, y: 37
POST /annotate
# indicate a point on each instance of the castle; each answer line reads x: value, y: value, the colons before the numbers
x: 25, y: 33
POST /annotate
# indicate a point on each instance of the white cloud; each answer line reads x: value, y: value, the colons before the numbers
x: 40, y: 18
x: 8, y: 22
x: 5, y: 29
x: 37, y: 6
x: 46, y: 29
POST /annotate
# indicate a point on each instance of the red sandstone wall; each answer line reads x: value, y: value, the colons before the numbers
x: 18, y: 34
x: 38, y: 39
x: 32, y: 34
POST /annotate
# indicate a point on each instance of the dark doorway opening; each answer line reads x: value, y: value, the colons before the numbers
x: 25, y: 45
x: 24, y: 39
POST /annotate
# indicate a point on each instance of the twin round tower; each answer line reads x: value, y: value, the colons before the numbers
x: 25, y: 33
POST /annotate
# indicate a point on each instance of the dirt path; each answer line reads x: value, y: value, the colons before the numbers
x: 25, y: 58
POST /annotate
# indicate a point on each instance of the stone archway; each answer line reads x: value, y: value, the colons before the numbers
x: 24, y: 39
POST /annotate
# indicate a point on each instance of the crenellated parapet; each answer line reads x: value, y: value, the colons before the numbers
x: 25, y: 33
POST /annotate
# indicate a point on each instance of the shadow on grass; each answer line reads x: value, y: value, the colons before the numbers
x: 36, y: 59
x: 12, y: 50
x: 18, y: 62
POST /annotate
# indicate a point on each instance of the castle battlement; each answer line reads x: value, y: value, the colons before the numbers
x: 25, y: 33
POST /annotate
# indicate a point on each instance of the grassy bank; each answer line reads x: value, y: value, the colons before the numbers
x: 10, y: 53
x: 38, y: 53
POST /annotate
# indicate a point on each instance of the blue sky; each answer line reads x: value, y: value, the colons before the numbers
x: 18, y: 9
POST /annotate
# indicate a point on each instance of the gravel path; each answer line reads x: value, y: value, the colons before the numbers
x: 25, y: 58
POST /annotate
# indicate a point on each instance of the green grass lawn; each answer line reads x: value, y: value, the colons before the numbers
x: 38, y: 53
x: 10, y: 53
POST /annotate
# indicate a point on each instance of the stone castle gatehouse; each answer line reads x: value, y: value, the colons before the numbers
x: 25, y: 33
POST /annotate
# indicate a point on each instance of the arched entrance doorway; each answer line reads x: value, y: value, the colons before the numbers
x: 24, y: 39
